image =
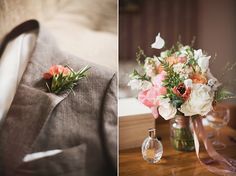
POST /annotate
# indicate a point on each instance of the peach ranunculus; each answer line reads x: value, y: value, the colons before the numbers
x: 56, y: 70
x: 198, y: 78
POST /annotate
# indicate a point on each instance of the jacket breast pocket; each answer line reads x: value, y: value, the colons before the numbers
x: 70, y: 161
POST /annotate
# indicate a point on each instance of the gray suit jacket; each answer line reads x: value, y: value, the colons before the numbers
x: 83, y: 125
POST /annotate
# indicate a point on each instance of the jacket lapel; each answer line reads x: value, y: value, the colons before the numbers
x: 32, y: 105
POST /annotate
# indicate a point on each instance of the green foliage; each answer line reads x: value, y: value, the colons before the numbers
x: 175, y: 100
x: 136, y: 75
x: 140, y: 58
x: 192, y: 61
x: 172, y: 78
x: 60, y: 82
x: 223, y: 94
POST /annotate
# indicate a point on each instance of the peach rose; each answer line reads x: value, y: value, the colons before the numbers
x: 198, y: 78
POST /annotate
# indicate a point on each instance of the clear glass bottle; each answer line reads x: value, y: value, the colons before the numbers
x: 152, y: 148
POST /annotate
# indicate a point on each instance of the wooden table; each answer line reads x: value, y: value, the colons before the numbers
x: 174, y: 163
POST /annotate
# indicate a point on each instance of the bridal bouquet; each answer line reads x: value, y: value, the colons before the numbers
x: 179, y: 81
x: 179, y: 84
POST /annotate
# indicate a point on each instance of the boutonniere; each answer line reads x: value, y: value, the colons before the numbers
x: 62, y: 78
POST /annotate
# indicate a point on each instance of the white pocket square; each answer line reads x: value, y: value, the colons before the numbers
x: 38, y: 155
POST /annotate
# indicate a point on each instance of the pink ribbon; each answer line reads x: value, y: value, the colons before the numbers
x: 225, y: 165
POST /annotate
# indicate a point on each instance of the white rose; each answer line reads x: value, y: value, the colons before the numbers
x: 166, y: 110
x: 199, y: 102
x: 159, y: 42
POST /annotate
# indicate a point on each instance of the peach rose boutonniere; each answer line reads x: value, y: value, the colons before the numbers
x: 62, y: 78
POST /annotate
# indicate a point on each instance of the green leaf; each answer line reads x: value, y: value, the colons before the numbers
x: 136, y: 75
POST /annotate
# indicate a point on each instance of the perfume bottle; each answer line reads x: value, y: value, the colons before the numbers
x: 152, y: 148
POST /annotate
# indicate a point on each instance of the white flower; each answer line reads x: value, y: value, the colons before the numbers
x: 146, y: 85
x: 188, y: 83
x: 135, y: 84
x: 202, y: 60
x: 203, y: 63
x: 199, y: 102
x: 150, y: 71
x: 212, y: 81
x: 184, y: 50
x: 150, y: 66
x: 159, y: 42
x: 164, y: 54
x: 166, y: 110
x: 139, y: 84
x: 183, y: 70
x: 197, y: 54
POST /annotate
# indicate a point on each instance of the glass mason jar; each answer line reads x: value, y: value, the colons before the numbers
x: 181, y: 135
x: 152, y: 148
